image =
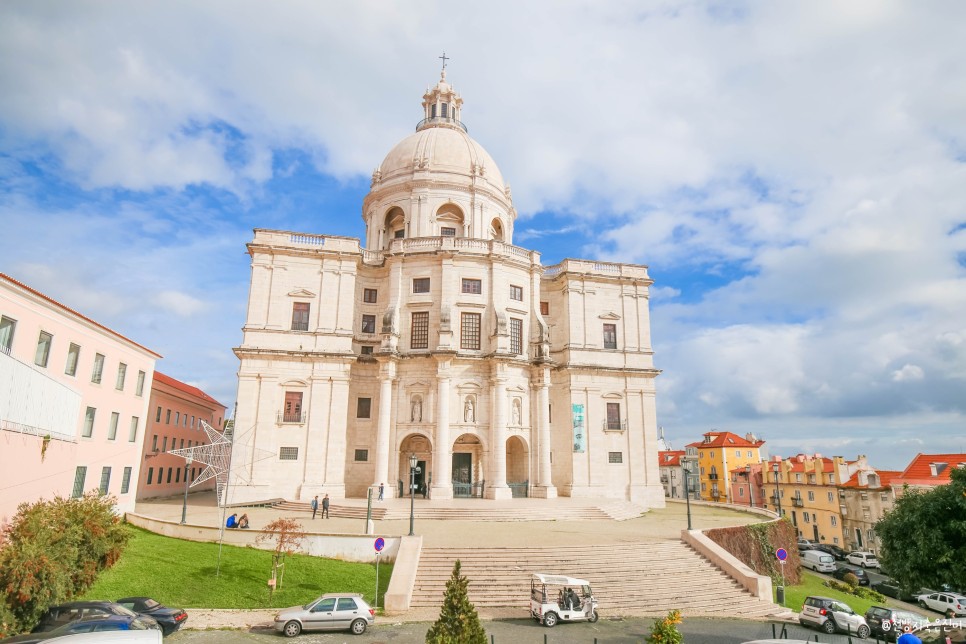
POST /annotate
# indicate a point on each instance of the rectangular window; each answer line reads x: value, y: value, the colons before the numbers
x: 177, y: 475
x: 184, y: 420
x: 420, y: 331
x: 154, y: 443
x: 192, y: 422
x: 132, y: 434
x: 180, y: 444
x: 610, y: 336
x: 121, y: 376
x: 43, y: 349
x: 421, y: 285
x: 470, y: 331
x: 473, y: 287
x: 614, y: 416
x: 164, y: 444
x: 368, y: 323
x: 150, y: 474
x: 73, y: 356
x: 364, y: 408
x: 362, y: 455
x: 830, y: 497
x: 105, y: 480
x: 89, y: 422
x: 126, y: 480
x: 811, y: 495
x: 369, y: 295
x: 615, y: 457
x: 516, y: 293
x: 167, y: 417
x: 139, y: 389
x: 177, y: 418
x: 112, y: 428
x: 444, y: 107
x: 805, y: 516
x: 288, y: 453
x: 80, y: 474
x: 98, y: 369
x: 169, y: 474
x: 834, y: 520
x: 293, y: 407
x: 738, y: 453
x: 544, y: 308
x: 749, y: 454
x: 366, y: 349
x: 447, y: 231
x: 300, y: 316
x: 516, y: 336
x: 7, y: 327
x: 157, y: 419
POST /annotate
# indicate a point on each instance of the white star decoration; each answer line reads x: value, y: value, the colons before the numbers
x: 216, y: 455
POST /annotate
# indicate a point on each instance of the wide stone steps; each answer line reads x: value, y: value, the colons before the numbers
x: 342, y: 511
x: 641, y: 578
x: 481, y: 510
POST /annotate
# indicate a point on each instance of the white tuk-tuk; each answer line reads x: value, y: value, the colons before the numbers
x: 555, y: 598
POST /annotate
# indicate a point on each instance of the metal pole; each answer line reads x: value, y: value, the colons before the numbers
x: 412, y: 499
x: 368, y: 519
x: 778, y: 496
x: 687, y: 494
x: 377, y: 579
x: 184, y: 506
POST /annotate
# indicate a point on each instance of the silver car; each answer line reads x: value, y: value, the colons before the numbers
x: 831, y: 615
x: 331, y: 612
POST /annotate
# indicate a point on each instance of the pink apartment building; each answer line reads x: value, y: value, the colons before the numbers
x: 176, y: 412
x: 73, y: 402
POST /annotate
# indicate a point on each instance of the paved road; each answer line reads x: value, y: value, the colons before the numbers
x: 525, y: 631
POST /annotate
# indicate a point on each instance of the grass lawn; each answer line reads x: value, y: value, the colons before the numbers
x: 812, y: 585
x: 181, y: 574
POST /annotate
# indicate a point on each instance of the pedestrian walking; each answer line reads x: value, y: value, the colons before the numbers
x: 381, y: 490
x: 325, y: 507
x: 315, y: 505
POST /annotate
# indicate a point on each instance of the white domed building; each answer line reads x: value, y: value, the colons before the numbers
x: 436, y: 339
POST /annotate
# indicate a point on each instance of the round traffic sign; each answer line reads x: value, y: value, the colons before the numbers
x: 380, y: 544
x: 782, y: 554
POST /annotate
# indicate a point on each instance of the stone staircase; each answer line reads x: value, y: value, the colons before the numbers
x: 481, y: 510
x: 648, y: 578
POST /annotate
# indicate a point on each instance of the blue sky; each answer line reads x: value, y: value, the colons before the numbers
x: 793, y: 173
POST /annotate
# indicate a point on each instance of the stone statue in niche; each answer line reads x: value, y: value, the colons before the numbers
x: 469, y: 410
x: 500, y: 324
x: 389, y: 320
x: 516, y: 412
x: 416, y: 412
x: 444, y: 319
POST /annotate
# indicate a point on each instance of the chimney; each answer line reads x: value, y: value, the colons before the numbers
x: 863, y: 478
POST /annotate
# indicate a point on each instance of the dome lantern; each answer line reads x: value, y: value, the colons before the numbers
x: 442, y: 106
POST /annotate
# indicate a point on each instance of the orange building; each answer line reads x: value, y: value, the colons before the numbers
x: 717, y: 455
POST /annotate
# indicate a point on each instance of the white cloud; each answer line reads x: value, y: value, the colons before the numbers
x: 908, y: 372
x: 178, y: 303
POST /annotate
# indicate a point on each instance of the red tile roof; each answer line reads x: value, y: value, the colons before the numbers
x: 188, y: 389
x: 885, y: 479
x: 919, y: 472
x: 66, y: 308
x: 726, y: 439
x: 671, y: 458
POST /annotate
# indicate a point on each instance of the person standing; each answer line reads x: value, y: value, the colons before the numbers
x: 325, y: 507
x: 315, y: 505
x: 382, y: 489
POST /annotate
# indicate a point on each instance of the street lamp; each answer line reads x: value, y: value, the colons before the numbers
x: 751, y: 497
x: 686, y: 466
x: 778, y: 496
x: 412, y: 486
x: 184, y: 507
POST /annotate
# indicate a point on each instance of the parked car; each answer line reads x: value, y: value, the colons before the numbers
x: 942, y: 632
x: 805, y: 544
x: 860, y: 574
x: 818, y: 560
x: 151, y: 636
x: 72, y: 611
x: 839, y: 553
x: 891, y: 588
x: 949, y: 604
x: 169, y: 619
x: 831, y: 615
x: 93, y: 624
x: 890, y: 623
x: 331, y: 612
x: 864, y: 559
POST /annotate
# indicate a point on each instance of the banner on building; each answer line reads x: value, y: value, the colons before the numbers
x: 580, y: 433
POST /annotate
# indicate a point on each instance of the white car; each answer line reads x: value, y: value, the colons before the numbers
x: 831, y: 616
x: 949, y: 604
x: 864, y: 559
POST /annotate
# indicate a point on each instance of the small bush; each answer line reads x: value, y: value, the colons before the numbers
x: 665, y: 630
x: 868, y: 593
x: 852, y: 581
x: 840, y: 586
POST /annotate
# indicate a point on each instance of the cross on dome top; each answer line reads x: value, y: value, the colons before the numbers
x: 442, y: 104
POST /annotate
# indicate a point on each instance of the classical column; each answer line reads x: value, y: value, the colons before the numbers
x: 544, y: 487
x: 496, y: 485
x: 386, y: 376
x: 443, y: 457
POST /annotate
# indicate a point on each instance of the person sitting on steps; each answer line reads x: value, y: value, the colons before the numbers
x: 243, y: 521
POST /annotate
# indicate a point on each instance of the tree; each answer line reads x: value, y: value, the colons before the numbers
x: 458, y: 622
x: 287, y: 534
x: 665, y: 630
x: 924, y: 536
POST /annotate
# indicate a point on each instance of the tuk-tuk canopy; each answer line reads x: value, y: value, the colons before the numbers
x: 559, y: 580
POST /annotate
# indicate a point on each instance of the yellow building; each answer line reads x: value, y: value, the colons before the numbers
x: 718, y: 454
x: 808, y: 494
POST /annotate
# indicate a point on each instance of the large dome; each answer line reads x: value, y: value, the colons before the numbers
x: 441, y: 151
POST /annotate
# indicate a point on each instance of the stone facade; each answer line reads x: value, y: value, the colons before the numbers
x: 439, y: 338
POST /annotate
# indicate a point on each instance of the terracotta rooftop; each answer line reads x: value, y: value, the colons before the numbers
x: 920, y: 470
x: 18, y: 283
x: 186, y: 388
x: 725, y: 439
x: 671, y: 458
x: 885, y: 479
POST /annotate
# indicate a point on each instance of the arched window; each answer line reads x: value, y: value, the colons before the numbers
x: 496, y: 230
x: 449, y: 219
x: 395, y: 225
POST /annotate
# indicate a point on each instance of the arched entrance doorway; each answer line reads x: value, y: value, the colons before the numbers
x: 468, y: 477
x: 518, y: 466
x: 423, y: 449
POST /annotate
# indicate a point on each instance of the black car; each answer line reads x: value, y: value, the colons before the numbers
x: 72, y: 611
x: 96, y: 624
x: 860, y: 574
x: 889, y: 623
x: 169, y: 619
x: 835, y: 551
x: 891, y: 588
